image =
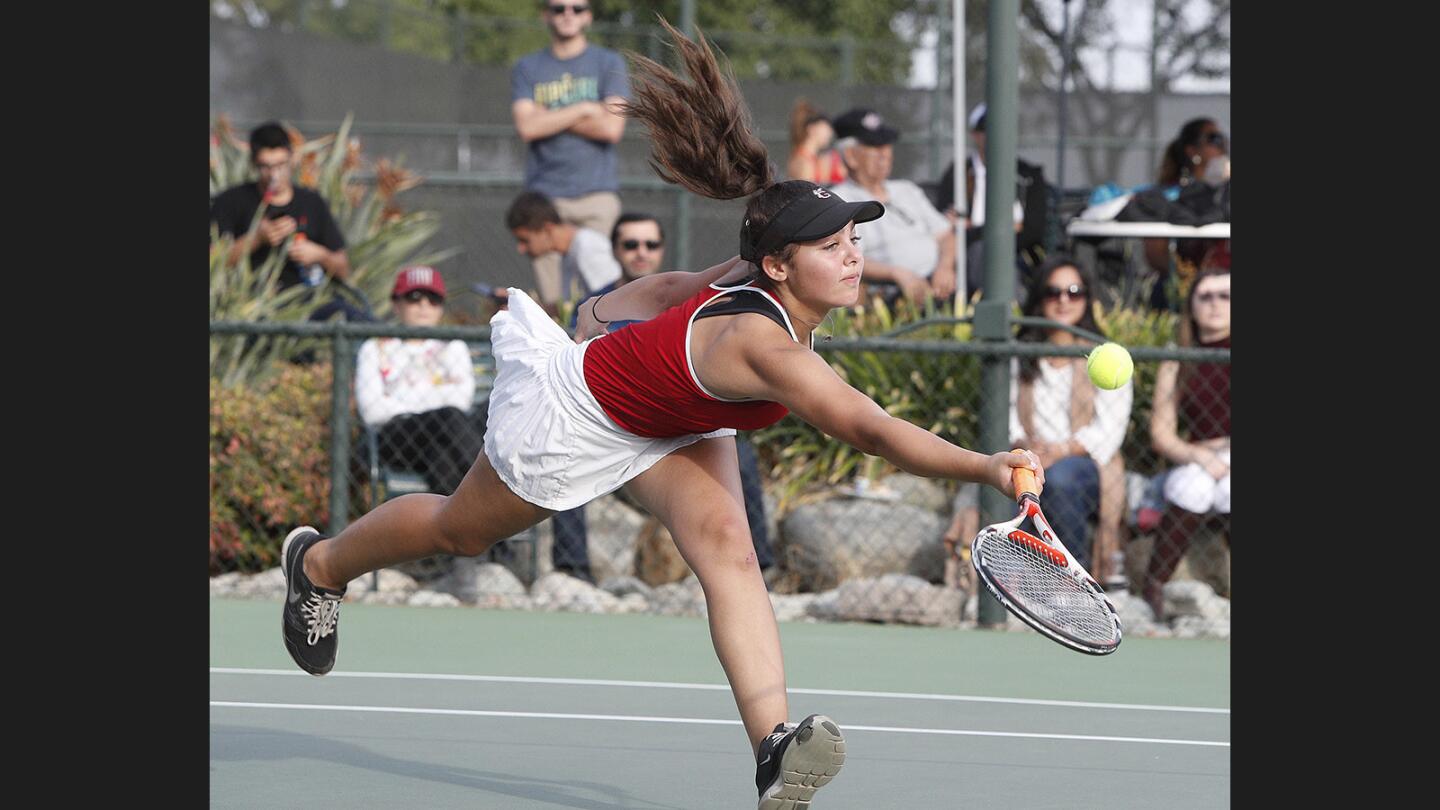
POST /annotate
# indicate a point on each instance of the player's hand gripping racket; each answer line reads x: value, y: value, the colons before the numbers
x: 1038, y: 580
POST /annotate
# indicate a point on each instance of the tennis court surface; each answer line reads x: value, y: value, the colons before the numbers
x: 462, y: 707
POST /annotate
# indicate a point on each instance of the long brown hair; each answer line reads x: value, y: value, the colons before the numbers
x: 701, y: 133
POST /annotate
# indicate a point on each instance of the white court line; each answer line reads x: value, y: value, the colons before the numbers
x: 694, y: 721
x: 722, y: 688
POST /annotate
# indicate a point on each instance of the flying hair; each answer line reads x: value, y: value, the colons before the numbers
x: 700, y: 128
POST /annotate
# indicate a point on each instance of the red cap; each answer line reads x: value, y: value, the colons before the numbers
x: 419, y: 277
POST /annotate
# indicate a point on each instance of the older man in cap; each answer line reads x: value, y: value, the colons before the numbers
x: 913, y: 245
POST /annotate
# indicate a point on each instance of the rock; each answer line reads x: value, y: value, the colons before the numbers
x: 557, y: 591
x: 1188, y: 598
x: 792, y: 607
x: 684, y: 598
x: 504, y: 601
x: 428, y: 598
x: 269, y: 584
x: 1199, y: 627
x: 891, y: 598
x: 393, y: 583
x: 626, y: 585
x: 224, y: 585
x: 840, y: 539
x: 472, y: 579
x: 612, y: 529
x: 657, y: 560
x: 634, y: 603
x: 1133, y: 610
x: 916, y: 491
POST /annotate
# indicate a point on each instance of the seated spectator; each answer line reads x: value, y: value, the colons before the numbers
x: 296, y: 220
x: 585, y: 255
x: 1190, y: 426
x: 1198, y: 153
x: 913, y: 245
x: 638, y: 242
x: 1075, y: 428
x: 1030, y: 197
x: 811, y: 137
x: 417, y: 393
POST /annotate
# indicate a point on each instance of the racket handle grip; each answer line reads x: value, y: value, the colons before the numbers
x: 1024, y: 479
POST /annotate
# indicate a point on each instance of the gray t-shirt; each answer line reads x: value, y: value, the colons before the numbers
x: 591, y: 260
x: 565, y: 164
x: 907, y: 235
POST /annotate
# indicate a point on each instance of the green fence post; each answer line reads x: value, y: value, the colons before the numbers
x: 847, y: 60
x: 458, y: 30
x: 682, y: 230
x: 302, y: 15
x: 992, y: 313
x: 343, y: 370
x: 386, y: 10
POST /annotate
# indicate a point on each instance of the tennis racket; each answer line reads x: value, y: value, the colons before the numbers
x: 1038, y: 580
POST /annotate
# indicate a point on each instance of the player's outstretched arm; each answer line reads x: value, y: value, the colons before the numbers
x: 644, y: 298
x: 798, y: 378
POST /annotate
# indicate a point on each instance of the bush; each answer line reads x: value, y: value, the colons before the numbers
x: 269, y: 465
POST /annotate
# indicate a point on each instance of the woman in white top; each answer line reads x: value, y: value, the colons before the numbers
x: 417, y: 393
x: 1075, y: 428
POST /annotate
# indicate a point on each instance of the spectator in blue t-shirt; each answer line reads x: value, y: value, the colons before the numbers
x: 562, y: 100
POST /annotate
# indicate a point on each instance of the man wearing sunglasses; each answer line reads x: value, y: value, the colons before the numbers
x: 562, y: 102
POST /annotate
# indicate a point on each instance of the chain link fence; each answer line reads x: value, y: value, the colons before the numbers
x: 342, y: 417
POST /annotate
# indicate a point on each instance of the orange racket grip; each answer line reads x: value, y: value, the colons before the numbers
x: 1024, y: 479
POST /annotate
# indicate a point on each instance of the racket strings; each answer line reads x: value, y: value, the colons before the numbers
x: 1049, y: 593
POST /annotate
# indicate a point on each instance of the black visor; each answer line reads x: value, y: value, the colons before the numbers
x: 813, y: 215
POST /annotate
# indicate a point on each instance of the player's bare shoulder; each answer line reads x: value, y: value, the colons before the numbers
x: 730, y: 353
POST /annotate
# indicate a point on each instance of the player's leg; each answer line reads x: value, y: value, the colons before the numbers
x: 481, y: 512
x: 695, y: 492
x: 317, y: 569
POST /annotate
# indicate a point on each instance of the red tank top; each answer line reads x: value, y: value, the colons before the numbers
x: 642, y: 377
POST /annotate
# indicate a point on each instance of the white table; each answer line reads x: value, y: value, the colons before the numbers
x: 1129, y: 284
x: 1141, y: 230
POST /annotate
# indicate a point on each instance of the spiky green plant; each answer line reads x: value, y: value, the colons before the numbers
x: 380, y: 237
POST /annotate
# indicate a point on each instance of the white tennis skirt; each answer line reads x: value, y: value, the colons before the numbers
x: 546, y: 435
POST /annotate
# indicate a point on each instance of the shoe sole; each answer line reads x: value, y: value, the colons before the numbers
x: 295, y: 654
x: 810, y: 761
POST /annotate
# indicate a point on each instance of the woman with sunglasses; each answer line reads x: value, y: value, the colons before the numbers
x: 657, y: 404
x: 1190, y: 426
x: 1075, y: 428
x: 416, y: 394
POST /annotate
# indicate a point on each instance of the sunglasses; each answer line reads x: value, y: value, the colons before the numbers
x: 560, y: 8
x: 1216, y: 138
x: 1212, y: 297
x: 1073, y: 291
x: 632, y: 244
x: 416, y: 296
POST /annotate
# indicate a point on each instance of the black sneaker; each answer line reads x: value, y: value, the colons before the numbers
x: 311, y: 612
x: 797, y: 760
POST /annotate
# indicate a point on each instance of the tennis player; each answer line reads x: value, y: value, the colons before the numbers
x: 656, y: 406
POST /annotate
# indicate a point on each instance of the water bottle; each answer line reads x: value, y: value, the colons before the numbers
x: 311, y: 275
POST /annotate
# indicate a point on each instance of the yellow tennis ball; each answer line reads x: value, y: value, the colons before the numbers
x: 1110, y: 366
